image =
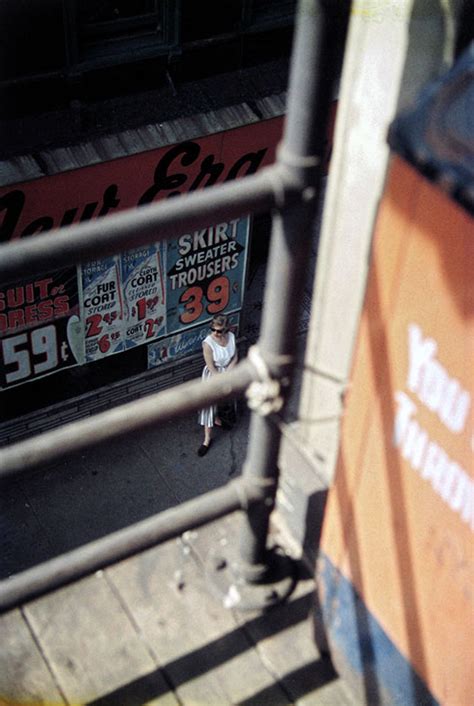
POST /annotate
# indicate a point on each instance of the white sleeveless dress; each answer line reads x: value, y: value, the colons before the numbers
x: 222, y: 356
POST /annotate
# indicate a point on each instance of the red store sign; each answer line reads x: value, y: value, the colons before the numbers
x: 81, y: 194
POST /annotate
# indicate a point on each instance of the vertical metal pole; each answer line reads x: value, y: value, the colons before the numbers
x: 317, y: 52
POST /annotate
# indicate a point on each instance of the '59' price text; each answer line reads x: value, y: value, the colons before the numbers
x: 32, y: 353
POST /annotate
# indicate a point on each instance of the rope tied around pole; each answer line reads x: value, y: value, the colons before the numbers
x: 264, y: 395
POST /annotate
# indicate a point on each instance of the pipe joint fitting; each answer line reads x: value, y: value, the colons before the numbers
x: 299, y: 174
x: 253, y: 491
x: 265, y: 395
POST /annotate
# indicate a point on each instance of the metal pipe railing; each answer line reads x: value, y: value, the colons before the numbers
x: 65, y: 569
x: 320, y: 33
x: 139, y: 226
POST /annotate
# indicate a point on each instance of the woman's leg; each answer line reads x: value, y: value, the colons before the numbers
x: 204, y: 448
x: 206, y: 419
x: 207, y: 435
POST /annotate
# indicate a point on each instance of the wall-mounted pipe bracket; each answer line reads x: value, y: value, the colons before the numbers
x: 298, y: 175
x: 246, y: 588
x: 264, y: 396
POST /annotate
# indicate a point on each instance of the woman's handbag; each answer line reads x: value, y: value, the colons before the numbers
x: 227, y: 413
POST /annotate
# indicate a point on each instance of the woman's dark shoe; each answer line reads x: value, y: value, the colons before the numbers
x: 203, y: 449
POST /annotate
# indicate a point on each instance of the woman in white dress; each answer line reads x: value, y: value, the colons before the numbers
x: 220, y: 354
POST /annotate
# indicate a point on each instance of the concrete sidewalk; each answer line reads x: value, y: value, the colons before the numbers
x: 121, y: 482
x: 98, y: 491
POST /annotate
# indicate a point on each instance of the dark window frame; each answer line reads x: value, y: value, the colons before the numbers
x: 109, y: 42
x: 250, y: 19
x: 254, y: 19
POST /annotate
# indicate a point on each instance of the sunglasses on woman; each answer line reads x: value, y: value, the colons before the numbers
x: 220, y: 331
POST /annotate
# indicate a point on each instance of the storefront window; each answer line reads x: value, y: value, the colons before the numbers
x: 112, y: 27
x: 91, y: 12
x: 104, y: 24
x: 201, y: 20
x: 261, y: 14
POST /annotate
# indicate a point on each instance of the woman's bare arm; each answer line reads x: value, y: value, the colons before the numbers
x: 234, y: 361
x: 235, y: 357
x: 208, y: 357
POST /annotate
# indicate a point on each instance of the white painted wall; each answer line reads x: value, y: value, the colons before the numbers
x: 393, y: 48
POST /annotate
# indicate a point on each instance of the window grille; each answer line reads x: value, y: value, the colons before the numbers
x: 216, y: 19
x: 262, y: 14
x: 290, y: 189
x: 78, y: 36
x: 233, y: 17
x: 110, y: 31
x: 105, y: 24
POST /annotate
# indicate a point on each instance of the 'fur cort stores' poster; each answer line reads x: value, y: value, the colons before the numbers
x: 144, y: 293
x: 102, y: 303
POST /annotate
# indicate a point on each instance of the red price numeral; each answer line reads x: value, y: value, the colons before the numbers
x: 110, y: 317
x: 218, y: 293
x: 150, y: 327
x: 141, y: 308
x: 104, y: 343
x: 192, y: 299
x: 93, y: 327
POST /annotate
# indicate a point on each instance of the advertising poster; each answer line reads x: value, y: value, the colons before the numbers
x: 40, y: 328
x: 206, y: 273
x: 144, y: 294
x: 399, y: 521
x: 102, y: 308
x: 183, y: 344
